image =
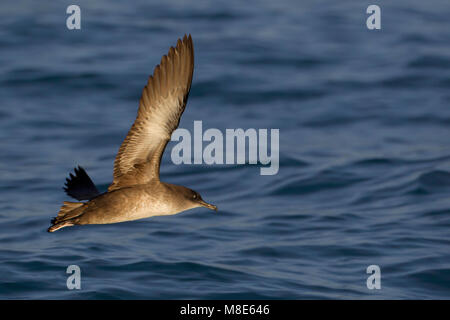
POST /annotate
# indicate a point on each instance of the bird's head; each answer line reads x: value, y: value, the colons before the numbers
x: 195, y: 200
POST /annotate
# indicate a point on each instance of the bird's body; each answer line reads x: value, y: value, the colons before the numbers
x: 132, y: 203
x: 136, y: 191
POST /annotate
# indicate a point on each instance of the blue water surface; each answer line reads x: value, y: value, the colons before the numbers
x: 364, y: 174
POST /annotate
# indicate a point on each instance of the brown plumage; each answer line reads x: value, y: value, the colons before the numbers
x: 136, y: 191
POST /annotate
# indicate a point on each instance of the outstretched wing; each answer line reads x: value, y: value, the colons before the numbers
x: 161, y: 106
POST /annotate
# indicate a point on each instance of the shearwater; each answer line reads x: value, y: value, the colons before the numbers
x: 136, y: 191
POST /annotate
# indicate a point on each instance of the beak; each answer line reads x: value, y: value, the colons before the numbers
x: 207, y: 205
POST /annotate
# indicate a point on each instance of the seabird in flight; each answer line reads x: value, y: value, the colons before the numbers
x: 136, y: 191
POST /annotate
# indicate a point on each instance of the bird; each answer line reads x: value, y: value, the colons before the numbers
x: 136, y: 191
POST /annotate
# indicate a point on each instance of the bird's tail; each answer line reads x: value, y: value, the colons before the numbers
x: 59, y: 225
x: 66, y: 215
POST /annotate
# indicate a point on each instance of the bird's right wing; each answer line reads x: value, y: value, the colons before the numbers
x: 161, y: 106
x: 80, y: 186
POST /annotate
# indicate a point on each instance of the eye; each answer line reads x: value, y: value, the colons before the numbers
x: 194, y: 196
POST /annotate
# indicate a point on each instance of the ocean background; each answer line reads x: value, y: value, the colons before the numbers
x: 364, y: 120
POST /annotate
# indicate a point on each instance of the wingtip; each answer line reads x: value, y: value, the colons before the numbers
x: 80, y: 185
x: 186, y: 41
x: 187, y: 38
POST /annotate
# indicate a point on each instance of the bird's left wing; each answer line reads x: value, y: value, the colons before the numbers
x: 161, y: 106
